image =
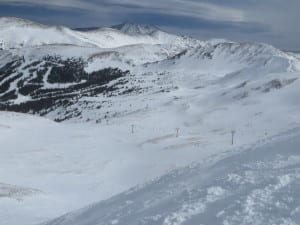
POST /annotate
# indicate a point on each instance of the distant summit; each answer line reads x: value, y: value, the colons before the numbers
x: 83, y: 29
x: 14, y: 21
x: 136, y: 29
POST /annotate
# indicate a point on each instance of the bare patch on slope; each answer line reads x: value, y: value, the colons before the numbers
x: 16, y: 192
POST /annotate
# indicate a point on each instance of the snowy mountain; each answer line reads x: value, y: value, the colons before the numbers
x: 48, y: 82
x: 134, y: 104
x: 137, y: 29
x: 34, y: 34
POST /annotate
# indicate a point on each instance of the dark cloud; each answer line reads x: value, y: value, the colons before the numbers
x: 192, y: 23
x: 52, y: 16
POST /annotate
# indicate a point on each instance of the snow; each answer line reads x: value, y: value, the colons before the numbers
x: 208, y: 194
x: 76, y: 164
x: 34, y: 34
x: 136, y: 29
x: 202, y: 90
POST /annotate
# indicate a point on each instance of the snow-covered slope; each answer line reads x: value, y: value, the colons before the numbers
x: 135, y: 102
x: 112, y: 38
x: 34, y: 76
x: 258, y: 186
x: 34, y: 34
x: 232, y: 59
x: 136, y: 29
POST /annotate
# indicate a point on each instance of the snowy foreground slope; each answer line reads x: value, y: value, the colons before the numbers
x: 89, y: 113
x: 258, y: 186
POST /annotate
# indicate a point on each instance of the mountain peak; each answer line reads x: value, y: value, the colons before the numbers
x: 15, y: 20
x: 136, y: 29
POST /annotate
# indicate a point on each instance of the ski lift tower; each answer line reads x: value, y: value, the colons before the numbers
x: 1, y: 45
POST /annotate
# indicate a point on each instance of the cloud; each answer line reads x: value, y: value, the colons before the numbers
x: 189, y: 8
x: 56, y: 3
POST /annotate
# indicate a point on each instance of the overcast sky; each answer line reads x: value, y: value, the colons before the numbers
x: 272, y: 21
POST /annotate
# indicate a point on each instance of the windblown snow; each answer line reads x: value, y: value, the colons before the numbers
x: 137, y: 124
x: 259, y: 186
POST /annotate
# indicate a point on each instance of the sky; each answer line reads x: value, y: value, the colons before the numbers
x: 271, y: 21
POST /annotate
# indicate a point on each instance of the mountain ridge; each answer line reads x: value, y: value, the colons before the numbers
x: 127, y: 34
x: 137, y: 29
